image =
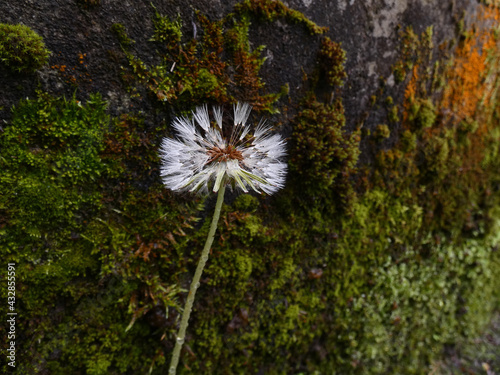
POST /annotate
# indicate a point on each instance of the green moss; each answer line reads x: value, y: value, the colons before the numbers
x: 399, y: 72
x: 437, y: 152
x: 49, y: 153
x: 460, y: 25
x: 396, y: 316
x: 414, y: 51
x: 382, y: 132
x: 69, y: 222
x: 321, y: 149
x: 120, y: 32
x: 167, y: 31
x: 408, y: 141
x: 393, y: 114
x: 218, y: 67
x: 270, y: 10
x: 464, y: 129
x: 246, y: 203
x: 22, y: 49
x: 244, y: 266
x: 423, y: 114
x: 332, y: 58
x: 207, y: 81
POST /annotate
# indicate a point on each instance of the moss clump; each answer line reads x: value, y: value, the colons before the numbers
x: 22, y: 49
x: 331, y: 59
x: 120, y: 32
x: 399, y: 72
x: 382, y: 132
x: 408, y: 141
x: 219, y: 66
x: 393, y: 114
x: 50, y: 152
x: 189, y: 73
x: 422, y: 114
x: 270, y: 10
x: 246, y: 203
x: 167, y: 31
x: 321, y: 149
x: 69, y: 188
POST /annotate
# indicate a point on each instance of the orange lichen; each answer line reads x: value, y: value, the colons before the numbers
x: 410, y: 91
x: 75, y: 74
x: 470, y: 96
x: 449, y: 139
x: 468, y: 85
x: 61, y: 68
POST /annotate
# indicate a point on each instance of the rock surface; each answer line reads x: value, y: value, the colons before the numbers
x: 368, y: 31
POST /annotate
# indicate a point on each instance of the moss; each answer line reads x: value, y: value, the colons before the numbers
x: 382, y: 132
x: 332, y: 58
x: 247, y: 64
x: 167, y: 31
x: 408, y: 141
x: 437, y: 152
x: 470, y: 126
x: 270, y: 10
x: 415, y: 301
x: 246, y: 203
x: 399, y: 72
x: 422, y: 114
x: 414, y: 51
x: 393, y: 114
x: 22, y: 49
x: 70, y: 230
x: 120, y: 32
x: 218, y: 67
x: 45, y: 161
x: 322, y: 152
x: 321, y: 149
x: 207, y: 81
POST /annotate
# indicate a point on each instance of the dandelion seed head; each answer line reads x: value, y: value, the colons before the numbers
x: 202, y: 158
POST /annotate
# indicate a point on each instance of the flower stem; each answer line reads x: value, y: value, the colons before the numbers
x: 196, y: 283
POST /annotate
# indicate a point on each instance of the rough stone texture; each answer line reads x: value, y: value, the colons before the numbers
x: 368, y: 31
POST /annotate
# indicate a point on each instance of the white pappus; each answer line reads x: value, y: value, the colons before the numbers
x: 203, y: 158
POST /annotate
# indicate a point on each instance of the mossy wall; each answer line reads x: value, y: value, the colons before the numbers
x: 354, y: 268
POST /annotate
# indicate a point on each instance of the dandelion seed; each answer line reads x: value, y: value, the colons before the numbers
x: 202, y: 158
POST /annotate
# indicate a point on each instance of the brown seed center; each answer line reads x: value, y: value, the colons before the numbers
x: 224, y: 154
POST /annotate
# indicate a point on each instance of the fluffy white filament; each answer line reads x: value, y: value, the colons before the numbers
x: 202, y: 158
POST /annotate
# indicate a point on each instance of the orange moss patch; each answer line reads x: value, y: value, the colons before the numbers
x: 410, y: 92
x: 448, y: 145
x: 411, y: 89
x: 470, y: 96
x: 469, y: 79
x: 74, y: 74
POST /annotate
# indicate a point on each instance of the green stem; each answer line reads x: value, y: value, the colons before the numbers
x: 196, y: 283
